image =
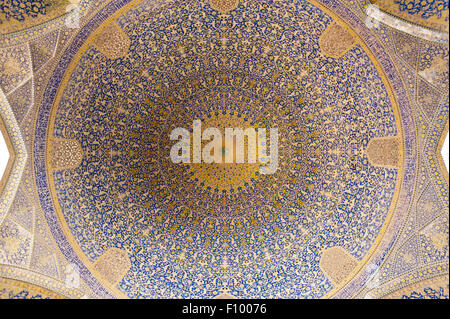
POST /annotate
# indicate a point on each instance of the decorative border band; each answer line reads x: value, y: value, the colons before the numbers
x: 359, y: 277
x: 20, y: 156
x: 40, y: 280
x: 40, y: 140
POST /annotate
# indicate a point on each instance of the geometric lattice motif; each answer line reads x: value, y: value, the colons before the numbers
x: 113, y: 42
x: 113, y: 265
x: 66, y: 154
x: 337, y: 264
x: 224, y: 5
x: 384, y: 151
x: 336, y: 40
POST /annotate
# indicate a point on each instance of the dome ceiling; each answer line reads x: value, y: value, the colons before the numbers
x: 359, y: 197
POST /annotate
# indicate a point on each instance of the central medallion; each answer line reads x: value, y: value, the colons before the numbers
x: 223, y: 177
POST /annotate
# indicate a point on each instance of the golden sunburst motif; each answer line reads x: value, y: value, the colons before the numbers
x: 226, y: 177
x: 93, y: 205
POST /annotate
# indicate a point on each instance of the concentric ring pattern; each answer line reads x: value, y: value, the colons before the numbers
x: 198, y: 230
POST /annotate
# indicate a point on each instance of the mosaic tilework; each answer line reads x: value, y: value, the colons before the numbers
x: 16, y: 290
x: 20, y: 156
x: 113, y: 42
x: 23, y: 283
x: 224, y: 5
x: 412, y: 279
x: 337, y: 264
x: 39, y: 22
x: 21, y: 99
x: 427, y: 293
x: 45, y: 201
x: 409, y: 261
x: 426, y: 9
x: 435, y: 288
x: 15, y: 67
x: 228, y: 44
x: 381, y: 18
x: 19, y: 11
x: 15, y: 244
x: 430, y: 13
x: 409, y: 250
x: 376, y: 268
x: 335, y: 40
x: 42, y: 49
